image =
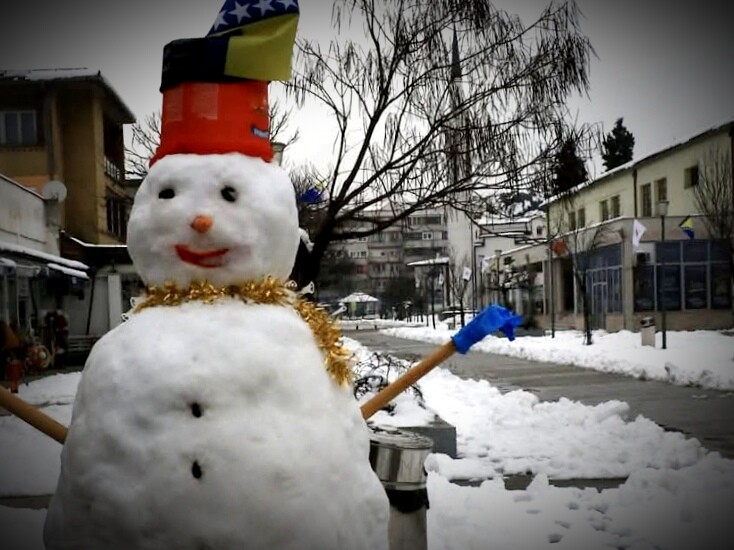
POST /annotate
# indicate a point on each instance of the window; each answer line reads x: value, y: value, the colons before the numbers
x: 427, y: 236
x: 604, y: 210
x: 695, y: 251
x: 646, y: 200
x: 720, y: 286
x: 116, y: 217
x: 690, y: 176
x: 644, y: 286
x: 18, y: 128
x: 615, y: 206
x: 572, y: 221
x: 695, y: 287
x: 661, y: 189
x: 539, y: 230
x: 668, y: 284
x: 581, y: 217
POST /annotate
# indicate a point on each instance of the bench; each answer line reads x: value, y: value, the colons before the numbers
x: 79, y: 348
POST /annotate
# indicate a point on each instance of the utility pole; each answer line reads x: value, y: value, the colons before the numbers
x: 551, y: 278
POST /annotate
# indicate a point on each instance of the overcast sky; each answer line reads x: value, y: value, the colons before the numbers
x: 665, y: 66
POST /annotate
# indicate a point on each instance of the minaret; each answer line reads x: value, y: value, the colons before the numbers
x: 458, y: 224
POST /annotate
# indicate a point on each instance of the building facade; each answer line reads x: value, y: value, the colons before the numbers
x: 61, y: 136
x: 35, y: 280
x: 381, y: 262
x: 683, y: 276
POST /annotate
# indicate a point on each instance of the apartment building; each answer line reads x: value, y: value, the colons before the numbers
x: 682, y: 274
x: 61, y: 134
x: 383, y: 258
x: 516, y: 282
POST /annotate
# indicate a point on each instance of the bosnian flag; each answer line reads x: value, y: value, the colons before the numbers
x: 261, y: 36
x: 687, y: 226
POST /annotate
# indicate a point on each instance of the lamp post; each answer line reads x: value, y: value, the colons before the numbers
x: 662, y: 212
x: 278, y: 148
x: 497, y: 254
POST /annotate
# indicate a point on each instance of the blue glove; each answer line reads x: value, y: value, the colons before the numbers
x: 492, y: 319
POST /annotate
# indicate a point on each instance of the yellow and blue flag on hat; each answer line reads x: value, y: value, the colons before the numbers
x: 260, y: 34
x: 687, y: 226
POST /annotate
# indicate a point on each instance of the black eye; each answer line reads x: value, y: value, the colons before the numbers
x: 229, y: 194
x: 167, y: 193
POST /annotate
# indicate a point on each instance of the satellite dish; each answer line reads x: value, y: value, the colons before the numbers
x: 54, y: 190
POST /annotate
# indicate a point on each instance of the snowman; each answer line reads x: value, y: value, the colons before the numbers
x: 219, y: 414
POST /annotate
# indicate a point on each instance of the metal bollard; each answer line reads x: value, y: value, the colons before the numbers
x: 397, y: 457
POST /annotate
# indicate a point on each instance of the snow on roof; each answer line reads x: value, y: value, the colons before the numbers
x: 433, y: 261
x: 91, y: 245
x: 78, y: 73
x: 68, y: 271
x: 18, y: 249
x: 634, y: 163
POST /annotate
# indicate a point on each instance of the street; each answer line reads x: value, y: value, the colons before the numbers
x: 705, y: 414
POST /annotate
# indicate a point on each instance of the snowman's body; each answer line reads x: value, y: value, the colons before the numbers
x: 214, y: 425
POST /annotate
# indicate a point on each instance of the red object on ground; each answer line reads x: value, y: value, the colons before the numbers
x: 13, y: 373
x: 216, y: 118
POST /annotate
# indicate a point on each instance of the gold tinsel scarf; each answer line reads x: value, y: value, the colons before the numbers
x: 270, y: 291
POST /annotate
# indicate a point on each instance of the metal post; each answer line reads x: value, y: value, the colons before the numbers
x: 662, y: 212
x: 397, y: 458
x: 473, y: 267
x: 551, y: 292
x: 551, y: 277
x: 662, y: 284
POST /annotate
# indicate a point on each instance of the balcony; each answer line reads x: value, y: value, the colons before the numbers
x: 112, y: 171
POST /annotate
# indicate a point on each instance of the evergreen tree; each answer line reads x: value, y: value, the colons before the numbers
x: 617, y: 146
x: 569, y: 170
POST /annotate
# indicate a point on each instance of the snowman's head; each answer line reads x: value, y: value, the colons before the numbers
x: 219, y: 218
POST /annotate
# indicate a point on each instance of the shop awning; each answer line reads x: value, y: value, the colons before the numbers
x: 68, y: 271
x: 42, y: 261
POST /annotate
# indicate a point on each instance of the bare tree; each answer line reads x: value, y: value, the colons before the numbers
x: 146, y: 136
x: 407, y: 107
x: 580, y: 245
x: 714, y: 196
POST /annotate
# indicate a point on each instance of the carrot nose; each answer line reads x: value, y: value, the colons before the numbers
x: 202, y: 223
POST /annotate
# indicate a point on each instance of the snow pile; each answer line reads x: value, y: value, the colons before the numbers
x: 698, y: 358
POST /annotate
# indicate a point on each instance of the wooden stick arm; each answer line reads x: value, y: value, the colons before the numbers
x: 423, y: 367
x: 32, y: 416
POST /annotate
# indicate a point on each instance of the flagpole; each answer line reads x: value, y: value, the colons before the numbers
x: 662, y: 212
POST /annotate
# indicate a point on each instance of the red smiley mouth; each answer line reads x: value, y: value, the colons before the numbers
x: 211, y: 258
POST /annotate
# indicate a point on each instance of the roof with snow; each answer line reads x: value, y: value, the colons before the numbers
x: 636, y: 163
x: 69, y: 75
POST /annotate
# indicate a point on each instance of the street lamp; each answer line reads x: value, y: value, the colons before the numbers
x: 497, y: 254
x: 662, y: 212
x: 278, y: 148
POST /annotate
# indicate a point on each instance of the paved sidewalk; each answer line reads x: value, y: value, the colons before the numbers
x: 707, y: 415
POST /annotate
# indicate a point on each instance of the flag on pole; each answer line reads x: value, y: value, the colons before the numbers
x: 485, y: 265
x: 687, y: 227
x: 637, y: 230
x: 260, y: 36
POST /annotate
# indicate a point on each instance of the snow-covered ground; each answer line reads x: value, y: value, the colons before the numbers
x: 676, y: 495
x: 701, y: 358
